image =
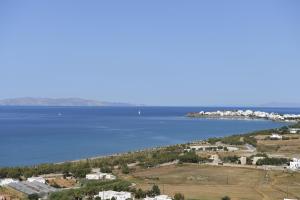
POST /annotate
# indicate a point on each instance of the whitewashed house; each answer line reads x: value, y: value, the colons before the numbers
x: 243, y: 160
x: 107, y: 195
x: 100, y: 176
x: 92, y: 176
x: 294, y: 130
x: 210, y: 148
x: 275, y: 136
x: 159, y: 197
x: 7, y: 181
x: 295, y: 164
x: 38, y: 179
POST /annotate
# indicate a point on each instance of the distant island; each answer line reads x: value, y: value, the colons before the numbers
x: 31, y: 101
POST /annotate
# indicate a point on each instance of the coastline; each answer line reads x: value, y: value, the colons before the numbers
x: 201, y: 135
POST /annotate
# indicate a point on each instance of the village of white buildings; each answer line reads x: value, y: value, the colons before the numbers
x: 247, y: 114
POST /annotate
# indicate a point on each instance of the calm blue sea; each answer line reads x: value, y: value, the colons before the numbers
x: 32, y: 135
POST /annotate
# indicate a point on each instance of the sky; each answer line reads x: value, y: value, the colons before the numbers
x: 183, y: 53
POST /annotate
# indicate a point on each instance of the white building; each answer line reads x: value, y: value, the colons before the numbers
x: 159, y: 197
x: 38, y: 179
x: 92, y: 176
x: 211, y: 148
x: 276, y: 136
x: 215, y: 159
x: 294, y: 130
x: 243, y: 160
x: 107, y: 195
x: 99, y: 176
x: 295, y: 164
x: 7, y: 181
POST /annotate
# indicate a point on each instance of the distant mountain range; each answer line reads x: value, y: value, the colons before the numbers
x: 30, y: 101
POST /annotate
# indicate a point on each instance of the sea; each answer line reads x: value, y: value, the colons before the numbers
x: 35, y: 135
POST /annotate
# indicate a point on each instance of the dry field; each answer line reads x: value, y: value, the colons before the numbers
x: 289, y: 148
x: 213, y: 182
x: 12, y: 194
x: 63, y: 183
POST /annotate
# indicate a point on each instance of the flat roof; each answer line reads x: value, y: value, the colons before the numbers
x: 32, y: 187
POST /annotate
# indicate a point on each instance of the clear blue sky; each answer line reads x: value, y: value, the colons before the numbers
x: 152, y: 52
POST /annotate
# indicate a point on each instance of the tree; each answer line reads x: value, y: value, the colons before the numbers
x: 178, y: 196
x: 155, y: 190
x: 98, y: 198
x: 226, y: 198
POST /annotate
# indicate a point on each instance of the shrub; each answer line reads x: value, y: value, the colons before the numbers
x: 106, y: 169
x: 213, y: 140
x: 33, y: 197
x: 178, y: 196
x: 230, y: 159
x: 250, y: 140
x: 226, y: 198
x: 125, y: 169
x: 189, y: 157
x: 272, y: 161
x: 232, y: 140
x: 139, y: 194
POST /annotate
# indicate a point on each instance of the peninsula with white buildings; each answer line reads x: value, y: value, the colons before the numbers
x: 246, y: 114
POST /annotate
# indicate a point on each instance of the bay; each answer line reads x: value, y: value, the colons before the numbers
x: 34, y: 135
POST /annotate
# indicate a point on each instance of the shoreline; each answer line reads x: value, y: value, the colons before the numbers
x: 149, y: 149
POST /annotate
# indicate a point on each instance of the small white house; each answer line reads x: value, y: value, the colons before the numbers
x: 107, y: 195
x: 210, y: 148
x: 275, y: 136
x: 92, y: 176
x: 294, y: 130
x: 243, y: 160
x: 100, y: 176
x: 159, y: 197
x: 295, y: 164
x: 7, y: 181
x: 38, y: 179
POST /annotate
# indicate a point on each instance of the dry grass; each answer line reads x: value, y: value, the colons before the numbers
x: 289, y: 148
x: 214, y: 182
x: 63, y: 183
x: 14, y: 195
